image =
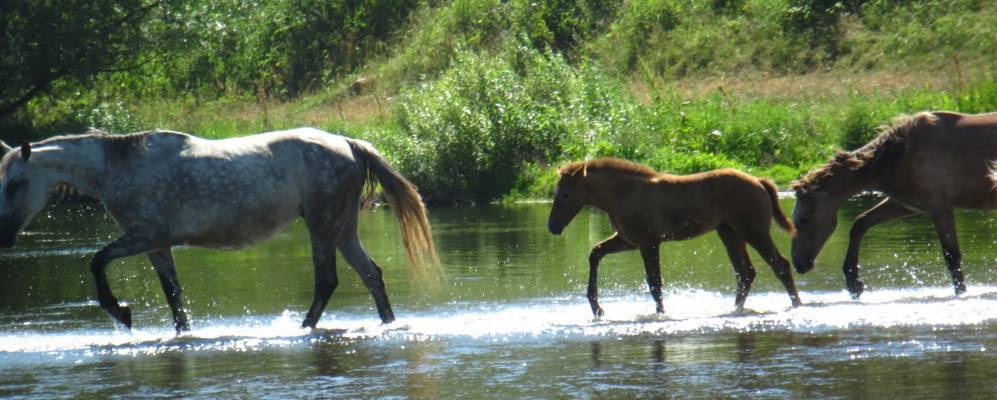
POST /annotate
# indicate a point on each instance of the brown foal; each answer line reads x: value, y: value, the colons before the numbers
x: 646, y: 208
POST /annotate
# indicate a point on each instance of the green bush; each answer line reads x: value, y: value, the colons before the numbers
x: 468, y: 135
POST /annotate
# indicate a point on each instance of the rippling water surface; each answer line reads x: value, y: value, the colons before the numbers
x: 510, y: 321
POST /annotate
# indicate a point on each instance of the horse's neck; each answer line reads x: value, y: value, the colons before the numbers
x: 605, y: 192
x: 75, y: 162
x: 846, y: 182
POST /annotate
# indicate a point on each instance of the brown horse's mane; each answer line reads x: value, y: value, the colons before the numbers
x: 886, y: 148
x: 609, y: 165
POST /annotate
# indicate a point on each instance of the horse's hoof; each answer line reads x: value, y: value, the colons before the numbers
x: 125, y: 316
x: 960, y: 290
x: 598, y: 313
x: 797, y: 303
x: 856, y: 289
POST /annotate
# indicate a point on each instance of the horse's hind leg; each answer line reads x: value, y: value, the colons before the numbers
x: 326, y: 279
x: 738, y: 254
x: 162, y: 261
x: 354, y: 253
x: 127, y: 245
x: 762, y: 242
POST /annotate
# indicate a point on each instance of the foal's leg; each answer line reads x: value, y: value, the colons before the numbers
x: 370, y: 273
x: 945, y: 226
x: 326, y: 279
x: 162, y: 261
x: 614, y: 244
x: 127, y: 245
x: 652, y: 267
x: 738, y: 254
x: 884, y: 211
x: 762, y: 242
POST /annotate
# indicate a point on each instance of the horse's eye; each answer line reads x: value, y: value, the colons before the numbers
x: 565, y: 196
x: 804, y: 220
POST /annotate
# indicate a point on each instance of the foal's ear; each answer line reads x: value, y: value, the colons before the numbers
x: 26, y: 151
x: 571, y: 170
x: 4, y: 147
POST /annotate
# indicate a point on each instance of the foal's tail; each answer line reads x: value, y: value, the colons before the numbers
x: 777, y: 214
x: 403, y: 198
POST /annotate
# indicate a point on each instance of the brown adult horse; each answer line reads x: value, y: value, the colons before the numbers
x: 647, y: 208
x: 930, y: 163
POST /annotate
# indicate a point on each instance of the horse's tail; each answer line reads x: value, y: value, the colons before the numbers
x: 403, y: 198
x: 777, y: 214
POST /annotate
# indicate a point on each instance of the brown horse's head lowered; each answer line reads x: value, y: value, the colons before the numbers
x: 823, y: 190
x: 930, y: 162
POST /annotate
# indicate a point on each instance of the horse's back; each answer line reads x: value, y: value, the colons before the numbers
x: 947, y: 162
x: 232, y: 192
x: 690, y: 205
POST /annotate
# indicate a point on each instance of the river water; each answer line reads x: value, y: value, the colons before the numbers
x: 510, y: 321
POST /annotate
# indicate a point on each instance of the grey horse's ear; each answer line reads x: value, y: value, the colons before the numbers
x: 4, y: 147
x: 26, y: 151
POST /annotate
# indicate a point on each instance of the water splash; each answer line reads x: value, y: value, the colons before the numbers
x: 688, y: 311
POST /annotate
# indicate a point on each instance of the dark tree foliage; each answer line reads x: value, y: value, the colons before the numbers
x: 43, y: 41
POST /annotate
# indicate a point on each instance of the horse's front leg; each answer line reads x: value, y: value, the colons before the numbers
x: 652, y: 267
x: 613, y: 244
x: 127, y: 245
x: 162, y: 261
x: 884, y: 211
x: 945, y: 227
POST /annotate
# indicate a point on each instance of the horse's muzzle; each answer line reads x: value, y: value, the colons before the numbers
x: 554, y: 228
x: 803, y: 266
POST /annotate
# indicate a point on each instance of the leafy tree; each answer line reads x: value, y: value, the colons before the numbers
x: 45, y: 41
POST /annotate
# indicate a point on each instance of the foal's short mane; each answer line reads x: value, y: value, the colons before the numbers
x: 609, y: 165
x: 882, y: 151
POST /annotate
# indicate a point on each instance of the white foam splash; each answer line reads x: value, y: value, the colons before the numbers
x: 687, y: 311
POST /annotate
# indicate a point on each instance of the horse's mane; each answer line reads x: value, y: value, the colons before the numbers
x: 608, y: 165
x: 884, y: 150
x: 117, y: 148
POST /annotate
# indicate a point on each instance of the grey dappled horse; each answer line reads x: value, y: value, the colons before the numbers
x: 166, y: 188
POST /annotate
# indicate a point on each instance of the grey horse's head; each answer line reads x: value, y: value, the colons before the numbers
x: 23, y: 191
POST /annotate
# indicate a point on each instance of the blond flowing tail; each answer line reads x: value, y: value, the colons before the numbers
x: 403, y: 198
x: 777, y: 214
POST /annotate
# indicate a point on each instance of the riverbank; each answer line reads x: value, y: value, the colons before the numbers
x: 481, y: 100
x: 500, y: 139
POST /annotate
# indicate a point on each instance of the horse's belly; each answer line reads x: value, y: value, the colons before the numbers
x: 238, y: 229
